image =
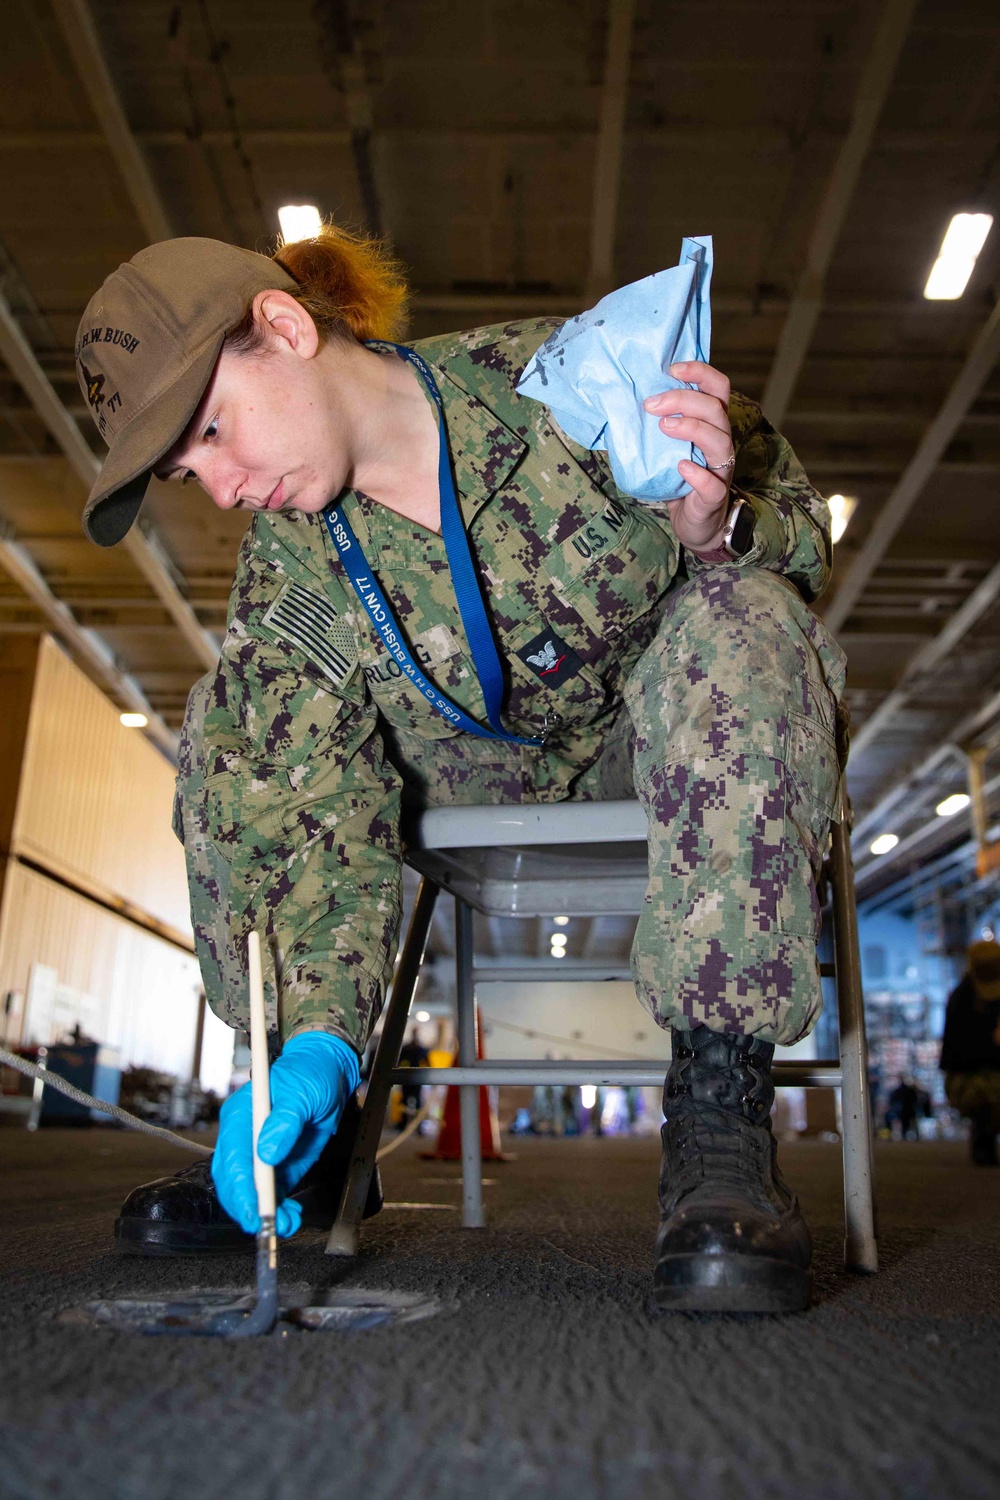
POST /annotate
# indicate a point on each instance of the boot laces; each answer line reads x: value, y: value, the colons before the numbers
x: 713, y: 1146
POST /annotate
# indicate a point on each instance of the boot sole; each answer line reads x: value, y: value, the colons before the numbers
x: 731, y: 1283
x: 135, y: 1236
x: 147, y: 1237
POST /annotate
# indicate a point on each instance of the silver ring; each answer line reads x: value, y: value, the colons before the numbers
x: 721, y: 468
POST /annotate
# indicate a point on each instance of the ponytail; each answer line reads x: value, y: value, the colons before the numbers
x: 349, y: 284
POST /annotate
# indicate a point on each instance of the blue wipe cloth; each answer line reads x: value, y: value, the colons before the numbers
x: 595, y: 371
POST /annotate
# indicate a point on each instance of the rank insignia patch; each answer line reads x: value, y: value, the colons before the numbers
x: 550, y: 658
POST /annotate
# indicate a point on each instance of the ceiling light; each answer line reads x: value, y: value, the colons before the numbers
x: 561, y: 921
x: 841, y: 511
x: 133, y: 721
x: 299, y: 221
x: 422, y: 1016
x: 956, y: 803
x: 884, y: 843
x: 558, y: 940
x: 963, y: 240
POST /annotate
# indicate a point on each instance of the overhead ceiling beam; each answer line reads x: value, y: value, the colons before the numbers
x: 81, y: 38
x: 677, y: 135
x: 978, y: 365
x: 946, y: 828
x: 928, y: 657
x: 796, y: 335
x: 344, y: 60
x: 610, y: 150
x: 448, y: 299
x: 91, y: 652
x: 142, y: 545
x: 80, y: 35
x: 950, y: 748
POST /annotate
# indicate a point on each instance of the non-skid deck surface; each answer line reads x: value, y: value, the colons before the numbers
x: 548, y: 1374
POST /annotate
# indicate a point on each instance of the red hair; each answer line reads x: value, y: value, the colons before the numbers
x: 349, y: 284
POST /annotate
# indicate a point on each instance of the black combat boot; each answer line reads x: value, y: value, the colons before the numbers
x: 181, y: 1215
x: 731, y: 1236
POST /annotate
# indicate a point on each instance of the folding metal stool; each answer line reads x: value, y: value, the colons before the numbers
x: 580, y: 859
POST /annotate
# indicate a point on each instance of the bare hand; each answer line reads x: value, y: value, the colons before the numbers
x: 701, y: 417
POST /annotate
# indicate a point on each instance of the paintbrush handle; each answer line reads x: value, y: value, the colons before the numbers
x: 260, y: 1076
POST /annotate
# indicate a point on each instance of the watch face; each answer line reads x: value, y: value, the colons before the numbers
x: 740, y: 532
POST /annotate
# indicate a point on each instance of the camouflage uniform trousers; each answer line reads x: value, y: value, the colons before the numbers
x: 726, y: 734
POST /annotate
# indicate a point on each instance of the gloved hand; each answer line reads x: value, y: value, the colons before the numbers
x: 310, y: 1084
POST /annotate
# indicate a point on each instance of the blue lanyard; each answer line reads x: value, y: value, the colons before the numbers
x: 485, y: 657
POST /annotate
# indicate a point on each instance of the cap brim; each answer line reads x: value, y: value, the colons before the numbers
x: 114, y: 502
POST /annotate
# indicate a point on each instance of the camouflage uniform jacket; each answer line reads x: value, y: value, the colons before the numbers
x: 308, y: 720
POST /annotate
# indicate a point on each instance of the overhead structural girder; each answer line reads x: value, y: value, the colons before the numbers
x: 796, y: 334
x: 610, y: 149
x: 978, y: 364
x: 952, y: 748
x: 982, y: 598
x: 142, y: 545
x: 91, y: 651
x: 80, y: 35
x: 673, y: 135
x: 344, y: 62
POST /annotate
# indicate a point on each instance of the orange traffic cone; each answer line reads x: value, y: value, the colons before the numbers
x: 449, y: 1141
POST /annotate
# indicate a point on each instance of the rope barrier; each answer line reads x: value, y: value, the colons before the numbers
x: 52, y: 1080
x: 404, y: 1135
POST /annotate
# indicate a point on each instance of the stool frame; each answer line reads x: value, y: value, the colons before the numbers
x: 451, y: 830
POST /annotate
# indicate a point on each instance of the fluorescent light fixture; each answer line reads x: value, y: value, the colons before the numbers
x: 884, y: 843
x: 299, y: 221
x: 588, y: 1095
x: 963, y: 240
x: 956, y: 803
x: 133, y: 721
x: 841, y: 511
x: 422, y: 1016
x: 561, y: 921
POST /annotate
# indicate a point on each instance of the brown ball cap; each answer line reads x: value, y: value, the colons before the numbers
x: 145, y: 351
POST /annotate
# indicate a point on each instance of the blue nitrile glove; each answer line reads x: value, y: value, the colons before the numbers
x: 595, y: 371
x: 310, y: 1084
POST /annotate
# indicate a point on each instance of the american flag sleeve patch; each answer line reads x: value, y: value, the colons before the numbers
x: 309, y: 621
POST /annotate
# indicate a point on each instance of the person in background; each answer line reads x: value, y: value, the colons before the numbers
x: 903, y: 1104
x: 970, y: 1050
x: 413, y: 1055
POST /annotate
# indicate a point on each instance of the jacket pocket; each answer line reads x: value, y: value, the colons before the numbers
x: 245, y: 805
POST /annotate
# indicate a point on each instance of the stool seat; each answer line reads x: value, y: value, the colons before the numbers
x: 578, y: 859
x: 533, y: 823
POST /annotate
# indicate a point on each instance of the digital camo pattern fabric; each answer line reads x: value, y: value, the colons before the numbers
x: 734, y: 708
x: 306, y: 744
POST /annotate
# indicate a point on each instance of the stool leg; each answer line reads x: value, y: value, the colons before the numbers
x: 345, y: 1234
x: 860, y: 1248
x: 472, y: 1157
